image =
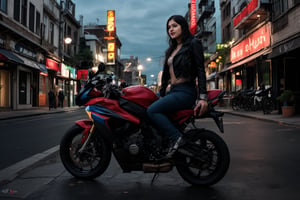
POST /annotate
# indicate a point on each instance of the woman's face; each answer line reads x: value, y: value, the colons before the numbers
x: 174, y: 30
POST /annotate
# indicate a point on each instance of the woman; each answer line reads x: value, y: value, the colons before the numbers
x: 184, y: 62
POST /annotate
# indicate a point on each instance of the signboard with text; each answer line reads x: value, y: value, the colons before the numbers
x: 252, y: 6
x: 193, y: 22
x: 111, y: 39
x: 51, y: 64
x: 256, y: 41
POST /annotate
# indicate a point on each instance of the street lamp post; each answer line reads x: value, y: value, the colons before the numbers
x: 140, y: 68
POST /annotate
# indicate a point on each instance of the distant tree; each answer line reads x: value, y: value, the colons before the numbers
x: 84, y: 58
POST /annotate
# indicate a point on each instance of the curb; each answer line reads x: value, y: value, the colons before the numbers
x: 10, y: 173
x: 34, y: 114
x: 262, y: 118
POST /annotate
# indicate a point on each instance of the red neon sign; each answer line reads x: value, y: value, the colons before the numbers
x: 246, y: 12
x: 82, y: 74
x: 255, y: 42
x: 193, y: 23
x: 110, y: 21
x: 51, y: 64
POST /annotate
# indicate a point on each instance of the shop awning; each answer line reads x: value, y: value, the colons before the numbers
x: 42, y: 67
x: 10, y: 56
x: 285, y: 47
x: 211, y: 76
x: 29, y: 62
x: 248, y: 59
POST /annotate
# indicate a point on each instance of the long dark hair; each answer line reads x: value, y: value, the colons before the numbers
x: 186, y: 34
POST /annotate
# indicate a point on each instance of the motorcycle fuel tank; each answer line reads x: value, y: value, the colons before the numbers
x: 140, y: 95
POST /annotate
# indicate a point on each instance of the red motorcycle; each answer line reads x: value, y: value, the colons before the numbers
x: 118, y: 124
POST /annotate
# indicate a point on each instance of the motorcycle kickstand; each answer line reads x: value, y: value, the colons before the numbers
x: 155, y: 176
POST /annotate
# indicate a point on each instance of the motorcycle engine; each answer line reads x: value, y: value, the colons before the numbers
x: 134, y: 149
x: 134, y: 143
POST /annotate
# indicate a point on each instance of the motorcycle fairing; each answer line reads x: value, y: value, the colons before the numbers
x: 111, y: 107
x: 140, y: 95
x: 182, y: 115
x: 213, y: 96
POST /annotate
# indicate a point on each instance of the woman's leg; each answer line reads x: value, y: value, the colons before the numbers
x: 179, y: 98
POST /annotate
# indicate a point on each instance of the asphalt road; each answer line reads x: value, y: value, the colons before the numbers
x: 264, y: 165
x: 23, y: 137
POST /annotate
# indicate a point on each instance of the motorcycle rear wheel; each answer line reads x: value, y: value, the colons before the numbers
x: 208, y: 161
x: 92, y: 161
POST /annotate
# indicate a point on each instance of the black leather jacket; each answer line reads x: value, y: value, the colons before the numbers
x: 188, y: 63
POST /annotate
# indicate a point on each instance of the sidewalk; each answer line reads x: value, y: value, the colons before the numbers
x: 5, y: 115
x: 272, y: 117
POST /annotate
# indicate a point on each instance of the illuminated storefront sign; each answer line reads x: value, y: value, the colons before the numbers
x: 82, y: 74
x: 246, y: 12
x: 258, y: 40
x: 110, y: 39
x: 193, y: 23
x: 64, y: 70
x: 110, y: 21
x: 111, y: 46
x: 67, y: 71
x: 51, y: 64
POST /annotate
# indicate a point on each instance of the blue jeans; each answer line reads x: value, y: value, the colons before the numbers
x: 181, y: 96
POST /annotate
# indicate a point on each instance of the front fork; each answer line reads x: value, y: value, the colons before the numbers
x: 89, y: 129
x: 87, y: 139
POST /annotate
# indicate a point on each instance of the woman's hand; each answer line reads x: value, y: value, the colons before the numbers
x: 202, y: 105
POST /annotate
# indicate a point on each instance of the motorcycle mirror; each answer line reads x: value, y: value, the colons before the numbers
x: 91, y: 74
x: 101, y: 67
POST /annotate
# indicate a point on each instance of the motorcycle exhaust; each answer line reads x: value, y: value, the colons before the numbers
x: 152, y: 168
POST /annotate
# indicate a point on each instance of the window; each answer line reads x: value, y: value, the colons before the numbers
x: 45, y: 28
x: 17, y: 10
x: 69, y: 34
x: 31, y: 17
x: 279, y: 7
x: 24, y: 13
x: 51, y: 33
x: 3, y: 5
x: 38, y: 23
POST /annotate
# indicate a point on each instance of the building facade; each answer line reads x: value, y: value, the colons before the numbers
x: 100, y: 31
x: 286, y: 47
x: 31, y: 57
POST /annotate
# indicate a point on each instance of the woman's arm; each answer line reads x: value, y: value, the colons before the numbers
x: 197, y: 52
x: 199, y: 64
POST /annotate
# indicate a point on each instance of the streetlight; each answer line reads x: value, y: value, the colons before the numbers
x: 140, y: 68
x: 68, y: 40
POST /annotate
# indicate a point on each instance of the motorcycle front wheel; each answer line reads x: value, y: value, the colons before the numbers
x: 204, y: 159
x: 92, y: 161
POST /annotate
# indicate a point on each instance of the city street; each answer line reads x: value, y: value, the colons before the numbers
x: 264, y: 165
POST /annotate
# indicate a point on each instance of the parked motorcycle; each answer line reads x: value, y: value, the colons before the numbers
x: 118, y: 124
x: 263, y: 100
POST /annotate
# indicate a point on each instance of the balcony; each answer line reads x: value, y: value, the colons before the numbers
x: 206, y: 11
x: 222, y: 2
x: 255, y: 12
x: 204, y: 32
x: 203, y: 2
